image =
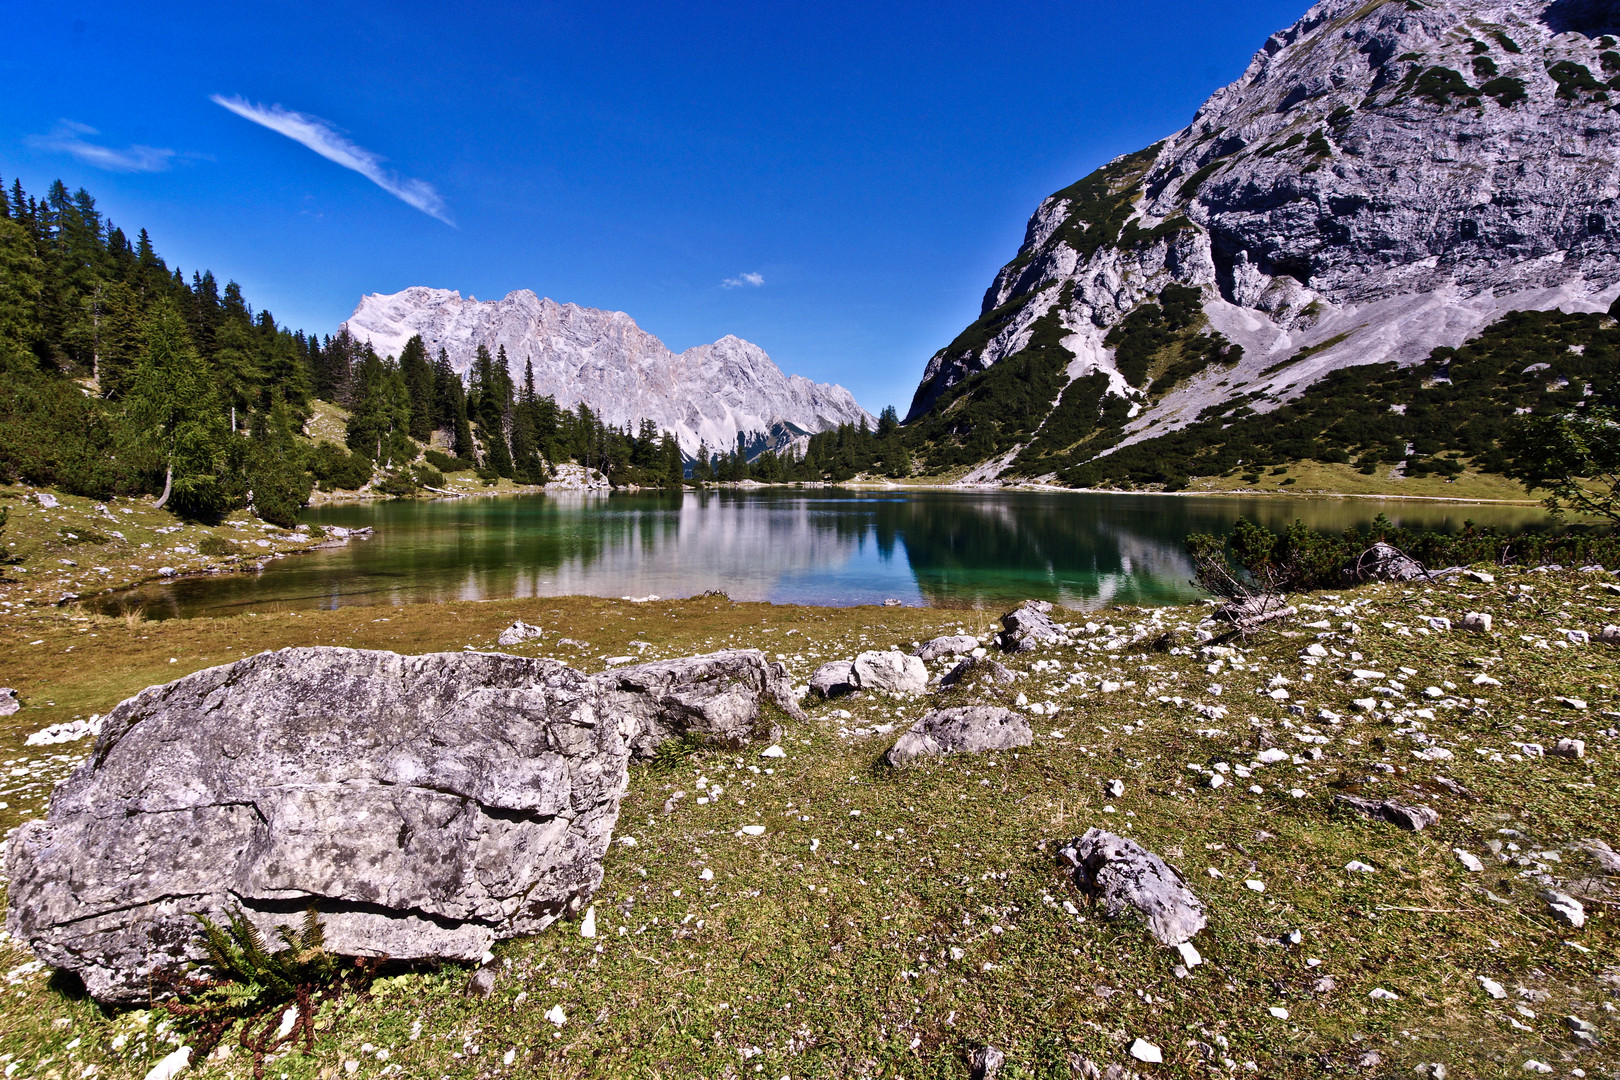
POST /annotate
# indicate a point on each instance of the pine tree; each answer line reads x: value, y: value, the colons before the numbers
x: 419, y: 382
x: 171, y: 406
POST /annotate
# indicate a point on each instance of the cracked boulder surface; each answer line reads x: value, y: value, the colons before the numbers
x: 1121, y: 876
x: 427, y: 806
x: 715, y: 698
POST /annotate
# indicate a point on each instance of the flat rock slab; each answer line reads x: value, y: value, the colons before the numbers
x: 953, y: 645
x: 426, y: 805
x: 971, y: 729
x: 1123, y: 876
x: 1410, y: 818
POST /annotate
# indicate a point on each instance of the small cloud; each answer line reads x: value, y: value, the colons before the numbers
x: 73, y: 138
x: 743, y: 281
x: 320, y: 136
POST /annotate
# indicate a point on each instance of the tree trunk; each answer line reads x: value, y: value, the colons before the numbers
x: 168, y: 485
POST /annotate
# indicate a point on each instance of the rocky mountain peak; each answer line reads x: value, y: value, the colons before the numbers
x: 1386, y: 177
x: 710, y: 395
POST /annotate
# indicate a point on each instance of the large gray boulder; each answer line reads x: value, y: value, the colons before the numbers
x: 715, y: 699
x: 1122, y: 875
x: 892, y: 672
x: 970, y: 729
x: 426, y: 805
x: 1027, y: 627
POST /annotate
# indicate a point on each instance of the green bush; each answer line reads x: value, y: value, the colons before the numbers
x: 1301, y: 559
x: 218, y: 546
x: 339, y: 470
x: 428, y: 476
x: 398, y: 486
x: 447, y: 464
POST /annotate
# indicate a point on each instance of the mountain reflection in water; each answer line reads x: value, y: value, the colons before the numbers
x: 836, y: 547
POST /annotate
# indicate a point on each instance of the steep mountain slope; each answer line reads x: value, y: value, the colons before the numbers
x: 1387, y: 178
x: 710, y: 394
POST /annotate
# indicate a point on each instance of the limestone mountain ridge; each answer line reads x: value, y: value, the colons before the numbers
x: 708, y: 395
x: 1385, y: 179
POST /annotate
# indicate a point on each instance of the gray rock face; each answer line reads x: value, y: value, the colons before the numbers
x: 891, y: 672
x: 1410, y: 818
x: 709, y: 394
x: 971, y: 729
x: 1027, y: 626
x: 1121, y: 875
x: 955, y: 645
x: 427, y: 805
x: 834, y: 679
x: 1338, y: 196
x: 8, y: 701
x: 714, y: 698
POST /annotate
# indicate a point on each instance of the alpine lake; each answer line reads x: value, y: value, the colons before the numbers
x: 836, y: 547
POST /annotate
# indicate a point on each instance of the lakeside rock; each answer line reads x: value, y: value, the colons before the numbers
x: 1028, y: 626
x: 715, y: 698
x: 428, y: 806
x: 971, y: 729
x: 951, y: 645
x: 891, y: 672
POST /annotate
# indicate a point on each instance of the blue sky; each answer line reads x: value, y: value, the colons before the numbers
x: 837, y: 182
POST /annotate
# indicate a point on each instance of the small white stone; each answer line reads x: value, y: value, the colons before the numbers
x: 1256, y: 884
x: 1380, y: 994
x: 556, y: 1015
x: 773, y: 751
x: 1279, y: 1012
x: 1116, y: 788
x: 753, y: 830
x: 1189, y: 954
x: 1359, y: 867
x: 509, y: 1057
x: 171, y: 1066
x: 1469, y: 860
x: 1217, y: 780
x: 1535, y: 1066
x: 587, y: 925
x: 1142, y: 1050
x: 1492, y: 987
x: 1272, y: 756
x: 708, y: 875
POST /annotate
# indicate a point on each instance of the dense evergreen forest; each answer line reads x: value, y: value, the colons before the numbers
x: 118, y: 375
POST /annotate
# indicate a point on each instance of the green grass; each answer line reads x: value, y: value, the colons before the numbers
x: 892, y: 942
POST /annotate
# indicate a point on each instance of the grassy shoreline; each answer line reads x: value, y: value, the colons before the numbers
x: 935, y: 921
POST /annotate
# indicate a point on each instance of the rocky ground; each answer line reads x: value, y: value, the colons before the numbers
x: 816, y: 912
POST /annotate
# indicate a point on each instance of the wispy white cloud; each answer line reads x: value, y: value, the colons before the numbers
x: 74, y: 139
x: 321, y: 137
x: 743, y: 281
